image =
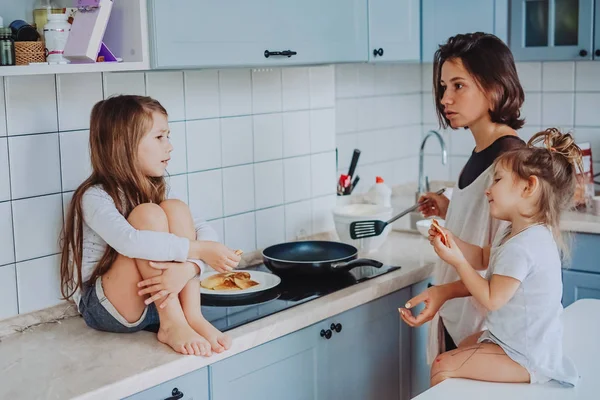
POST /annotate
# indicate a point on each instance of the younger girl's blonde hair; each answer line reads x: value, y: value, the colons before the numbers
x: 117, y: 125
x: 555, y: 164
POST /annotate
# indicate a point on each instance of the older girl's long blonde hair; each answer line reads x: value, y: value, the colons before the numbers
x: 117, y: 125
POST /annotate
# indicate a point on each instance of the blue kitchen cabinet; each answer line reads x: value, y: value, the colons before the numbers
x: 579, y: 285
x: 394, y: 30
x: 205, y: 33
x: 192, y: 386
x: 597, y: 32
x: 418, y: 346
x: 551, y: 29
x: 285, y: 368
x: 368, y: 358
x: 442, y: 19
x: 581, y: 275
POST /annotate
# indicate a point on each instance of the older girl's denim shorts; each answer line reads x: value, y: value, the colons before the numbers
x: 99, y: 313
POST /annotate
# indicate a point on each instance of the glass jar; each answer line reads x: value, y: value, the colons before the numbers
x: 40, y: 13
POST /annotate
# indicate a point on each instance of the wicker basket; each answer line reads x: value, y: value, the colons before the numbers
x: 28, y: 52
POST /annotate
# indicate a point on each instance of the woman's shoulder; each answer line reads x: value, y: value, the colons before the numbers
x: 508, y: 142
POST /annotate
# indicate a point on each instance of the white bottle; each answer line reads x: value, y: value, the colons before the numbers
x: 379, y: 194
x: 56, y: 33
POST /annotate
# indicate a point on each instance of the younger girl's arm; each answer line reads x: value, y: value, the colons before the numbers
x: 478, y: 257
x: 491, y: 294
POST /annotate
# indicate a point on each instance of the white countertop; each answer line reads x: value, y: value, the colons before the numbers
x: 580, y: 222
x: 581, y: 343
x: 70, y: 360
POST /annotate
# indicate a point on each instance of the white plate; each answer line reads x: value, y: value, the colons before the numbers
x: 265, y: 281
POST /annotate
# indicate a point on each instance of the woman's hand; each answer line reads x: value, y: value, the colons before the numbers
x: 434, y: 297
x: 437, y: 206
x: 172, y: 281
x: 220, y: 257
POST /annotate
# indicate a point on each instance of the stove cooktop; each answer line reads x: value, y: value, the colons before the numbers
x: 232, y: 312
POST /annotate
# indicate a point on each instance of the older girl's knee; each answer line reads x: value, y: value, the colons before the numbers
x: 174, y: 206
x: 150, y: 217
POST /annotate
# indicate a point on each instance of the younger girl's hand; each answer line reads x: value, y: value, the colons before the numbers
x: 173, y: 279
x: 437, y: 206
x: 450, y: 253
x: 220, y: 257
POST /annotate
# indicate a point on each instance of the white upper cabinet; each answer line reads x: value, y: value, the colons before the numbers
x: 126, y: 36
x: 444, y: 18
x: 394, y: 30
x: 552, y: 29
x: 208, y: 33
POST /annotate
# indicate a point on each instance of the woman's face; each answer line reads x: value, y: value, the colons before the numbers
x: 463, y: 100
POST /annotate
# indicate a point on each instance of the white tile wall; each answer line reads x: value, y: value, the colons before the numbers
x: 379, y: 111
x: 246, y: 143
x: 565, y: 95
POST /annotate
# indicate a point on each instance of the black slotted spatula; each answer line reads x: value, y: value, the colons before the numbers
x: 365, y: 229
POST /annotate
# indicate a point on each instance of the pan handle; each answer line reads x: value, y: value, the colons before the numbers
x: 360, y: 262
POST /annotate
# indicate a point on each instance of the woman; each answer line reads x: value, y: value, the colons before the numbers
x: 476, y: 86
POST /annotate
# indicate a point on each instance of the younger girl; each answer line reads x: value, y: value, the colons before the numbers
x: 523, y: 289
x: 125, y: 231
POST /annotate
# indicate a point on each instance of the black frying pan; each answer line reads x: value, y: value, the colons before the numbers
x: 313, y: 258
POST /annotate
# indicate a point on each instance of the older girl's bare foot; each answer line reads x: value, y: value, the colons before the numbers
x: 183, y: 339
x: 218, y: 340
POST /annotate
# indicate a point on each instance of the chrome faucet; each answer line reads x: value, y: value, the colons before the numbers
x: 423, y: 180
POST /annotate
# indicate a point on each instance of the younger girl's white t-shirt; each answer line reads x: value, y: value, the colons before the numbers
x: 528, y: 327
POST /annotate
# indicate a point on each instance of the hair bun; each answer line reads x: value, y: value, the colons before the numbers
x: 559, y: 143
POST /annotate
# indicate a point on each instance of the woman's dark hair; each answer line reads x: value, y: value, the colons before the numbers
x: 490, y: 62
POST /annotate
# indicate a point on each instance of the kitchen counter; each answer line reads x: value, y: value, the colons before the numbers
x: 580, y: 341
x: 403, y: 196
x: 69, y: 360
x: 574, y: 221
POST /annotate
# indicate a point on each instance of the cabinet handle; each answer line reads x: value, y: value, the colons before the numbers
x: 285, y: 53
x: 378, y: 52
x: 597, y: 53
x: 336, y: 327
x: 175, y: 395
x: 583, y: 53
x: 326, y: 334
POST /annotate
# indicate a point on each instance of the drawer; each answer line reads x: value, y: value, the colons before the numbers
x: 192, y: 386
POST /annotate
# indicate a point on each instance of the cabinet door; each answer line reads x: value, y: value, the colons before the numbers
x: 418, y: 346
x: 443, y: 19
x: 285, y: 368
x: 585, y: 253
x: 551, y: 29
x: 395, y: 28
x: 597, y: 32
x: 370, y: 357
x: 192, y: 386
x: 579, y: 285
x: 205, y: 33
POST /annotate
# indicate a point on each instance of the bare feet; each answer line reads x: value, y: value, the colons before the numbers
x: 219, y: 341
x: 183, y: 339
